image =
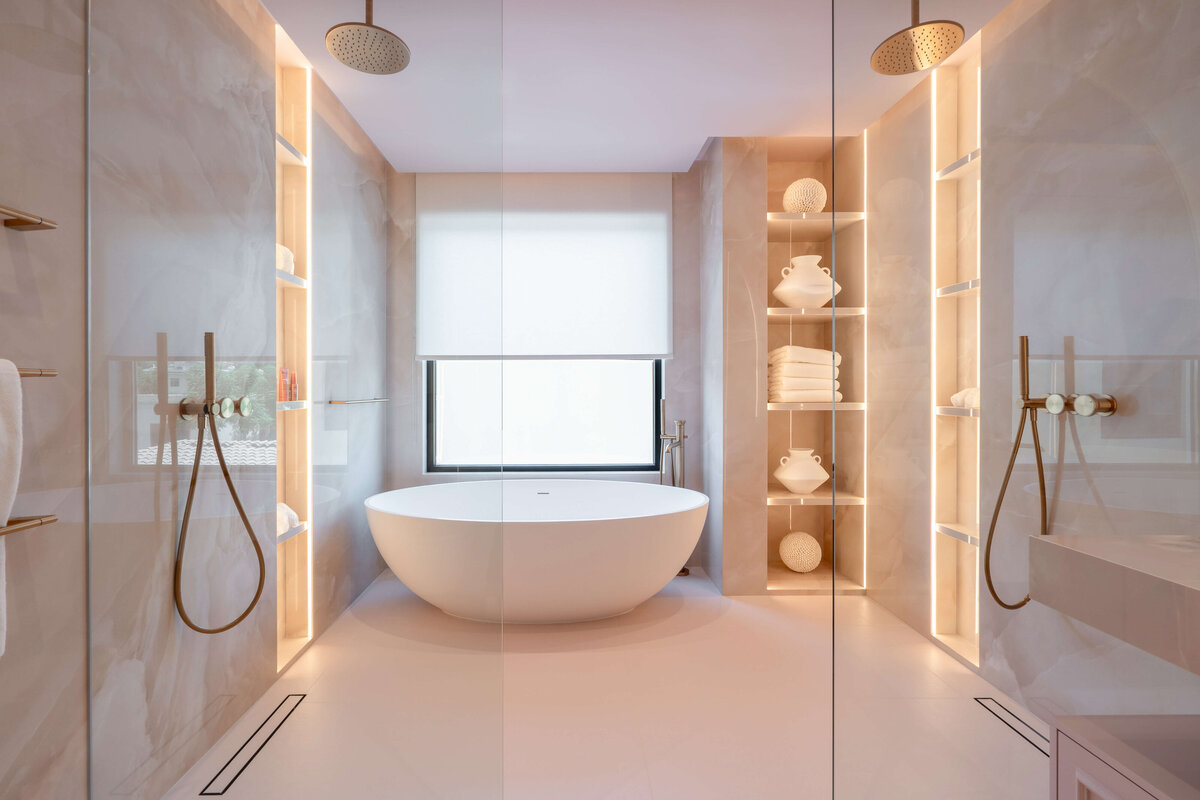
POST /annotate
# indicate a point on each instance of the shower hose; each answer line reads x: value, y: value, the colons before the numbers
x: 1031, y: 414
x: 187, y: 515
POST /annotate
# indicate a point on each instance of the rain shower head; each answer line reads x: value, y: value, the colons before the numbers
x: 366, y: 47
x: 919, y: 46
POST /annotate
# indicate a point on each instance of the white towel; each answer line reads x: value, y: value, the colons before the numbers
x: 285, y: 519
x: 785, y: 369
x: 967, y: 398
x: 794, y: 384
x: 805, y: 396
x: 284, y: 259
x: 10, y: 468
x: 803, y: 355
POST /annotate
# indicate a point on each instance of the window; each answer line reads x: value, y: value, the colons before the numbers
x: 543, y: 414
x: 543, y: 311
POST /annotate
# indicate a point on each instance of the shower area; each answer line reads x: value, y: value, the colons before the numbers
x: 916, y: 310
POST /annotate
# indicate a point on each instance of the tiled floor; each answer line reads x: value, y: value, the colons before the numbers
x: 692, y: 695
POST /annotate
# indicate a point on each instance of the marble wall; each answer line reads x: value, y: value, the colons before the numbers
x: 898, y: 358
x: 349, y: 279
x: 733, y: 336
x: 43, y: 292
x: 1091, y: 185
x: 183, y: 197
x: 183, y: 204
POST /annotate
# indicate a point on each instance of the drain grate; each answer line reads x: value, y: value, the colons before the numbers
x: 1019, y: 726
x: 236, y: 765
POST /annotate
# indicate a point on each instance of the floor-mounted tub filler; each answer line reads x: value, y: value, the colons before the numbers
x: 536, y: 551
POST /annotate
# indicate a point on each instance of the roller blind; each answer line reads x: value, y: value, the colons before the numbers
x: 543, y: 265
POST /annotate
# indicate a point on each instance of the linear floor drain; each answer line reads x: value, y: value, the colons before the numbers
x: 235, y: 766
x: 1019, y: 726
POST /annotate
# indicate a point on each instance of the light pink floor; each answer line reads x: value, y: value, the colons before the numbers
x: 692, y: 695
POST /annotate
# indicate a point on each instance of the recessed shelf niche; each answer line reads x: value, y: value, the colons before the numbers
x: 956, y: 286
x: 293, y: 347
x: 836, y: 519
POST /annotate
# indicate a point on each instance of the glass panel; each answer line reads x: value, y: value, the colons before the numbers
x: 1008, y: 188
x: 247, y: 184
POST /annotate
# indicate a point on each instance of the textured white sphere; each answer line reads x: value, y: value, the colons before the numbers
x: 800, y: 552
x: 804, y: 196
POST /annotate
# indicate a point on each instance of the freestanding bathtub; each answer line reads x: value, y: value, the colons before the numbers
x: 536, y: 551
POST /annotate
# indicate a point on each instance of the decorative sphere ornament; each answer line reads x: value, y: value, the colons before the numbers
x: 800, y: 552
x: 804, y: 197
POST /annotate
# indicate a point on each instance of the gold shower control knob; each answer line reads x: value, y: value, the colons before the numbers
x: 223, y: 408
x: 1056, y: 404
x: 1097, y: 405
x: 243, y: 406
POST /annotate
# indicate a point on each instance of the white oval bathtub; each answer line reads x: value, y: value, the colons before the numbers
x: 536, y: 551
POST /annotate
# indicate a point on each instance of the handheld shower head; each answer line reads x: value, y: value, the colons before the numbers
x: 367, y: 47
x: 917, y: 47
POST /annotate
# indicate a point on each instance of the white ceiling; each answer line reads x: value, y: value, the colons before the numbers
x: 610, y: 85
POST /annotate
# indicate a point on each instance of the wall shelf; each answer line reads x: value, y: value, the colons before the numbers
x: 816, y: 406
x: 955, y: 411
x: 287, y: 153
x: 291, y: 405
x: 965, y: 167
x: 786, y: 316
x: 963, y: 531
x: 955, y: 289
x: 816, y: 226
x: 821, y: 581
x: 821, y: 497
x: 291, y: 532
x: 289, y: 281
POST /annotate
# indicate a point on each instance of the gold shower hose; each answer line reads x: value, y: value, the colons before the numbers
x: 1029, y: 409
x: 187, y: 514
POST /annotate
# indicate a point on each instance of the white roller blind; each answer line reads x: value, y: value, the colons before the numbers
x: 543, y: 265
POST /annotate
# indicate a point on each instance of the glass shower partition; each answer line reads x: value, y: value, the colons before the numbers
x: 1038, y: 182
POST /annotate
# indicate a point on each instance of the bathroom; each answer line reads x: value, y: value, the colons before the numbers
x: 499, y: 344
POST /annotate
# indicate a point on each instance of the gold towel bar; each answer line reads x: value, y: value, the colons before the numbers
x: 25, y: 222
x: 358, y: 402
x: 25, y: 523
x: 26, y: 372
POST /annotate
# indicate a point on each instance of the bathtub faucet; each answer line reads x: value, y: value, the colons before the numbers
x: 671, y: 448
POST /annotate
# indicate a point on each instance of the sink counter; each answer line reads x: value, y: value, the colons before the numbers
x: 1144, y: 590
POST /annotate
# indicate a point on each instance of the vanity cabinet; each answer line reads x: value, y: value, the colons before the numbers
x: 1125, y: 758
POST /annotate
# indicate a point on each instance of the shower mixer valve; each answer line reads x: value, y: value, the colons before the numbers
x: 1083, y: 405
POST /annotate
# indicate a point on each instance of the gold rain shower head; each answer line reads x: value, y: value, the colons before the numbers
x: 366, y: 47
x: 920, y: 46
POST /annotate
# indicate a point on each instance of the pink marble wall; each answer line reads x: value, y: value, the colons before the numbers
x: 733, y: 335
x: 1091, y: 185
x: 43, y: 291
x: 349, y: 277
x: 898, y: 359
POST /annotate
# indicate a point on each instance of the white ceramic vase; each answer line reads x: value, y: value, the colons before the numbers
x: 801, y: 471
x: 805, y: 196
x: 806, y: 284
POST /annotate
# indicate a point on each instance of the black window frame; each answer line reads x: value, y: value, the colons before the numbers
x: 431, y: 465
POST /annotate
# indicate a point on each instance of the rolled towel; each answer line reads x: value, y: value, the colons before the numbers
x: 785, y: 369
x: 967, y: 398
x: 792, y: 353
x: 805, y: 396
x: 285, y: 519
x: 284, y: 259
x: 10, y: 469
x: 793, y: 384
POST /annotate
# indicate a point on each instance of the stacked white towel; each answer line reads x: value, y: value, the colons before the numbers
x: 803, y: 375
x: 967, y: 398
x: 285, y: 519
x: 10, y: 468
x: 284, y: 259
